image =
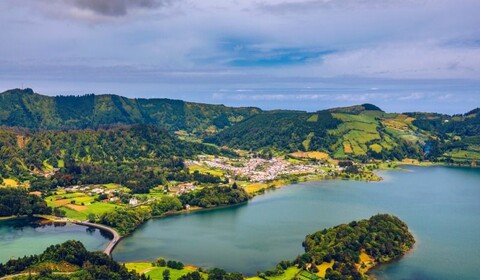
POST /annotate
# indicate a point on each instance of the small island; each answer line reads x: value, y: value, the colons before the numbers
x: 350, y: 250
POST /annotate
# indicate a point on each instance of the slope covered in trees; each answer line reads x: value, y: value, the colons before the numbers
x: 352, y: 132
x: 24, y: 108
x: 73, y: 260
x: 458, y: 135
x: 17, y: 202
x: 359, y: 132
x: 139, y: 156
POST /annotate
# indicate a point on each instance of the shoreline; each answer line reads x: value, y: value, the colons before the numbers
x: 371, y: 271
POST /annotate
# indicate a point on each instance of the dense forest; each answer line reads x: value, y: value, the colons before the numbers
x: 18, y: 202
x: 125, y: 221
x: 383, y: 237
x: 214, y: 196
x: 24, y: 108
x: 88, y: 265
x: 280, y: 130
x: 139, y: 157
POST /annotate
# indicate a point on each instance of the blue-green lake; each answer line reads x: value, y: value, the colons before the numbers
x: 24, y: 237
x: 441, y: 205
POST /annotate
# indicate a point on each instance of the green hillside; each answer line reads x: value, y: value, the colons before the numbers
x: 24, y: 108
x: 280, y: 130
x: 456, y: 138
x: 69, y: 260
x: 139, y: 156
x: 360, y: 132
x: 351, y: 132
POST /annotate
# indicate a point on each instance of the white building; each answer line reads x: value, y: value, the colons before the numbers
x: 133, y: 201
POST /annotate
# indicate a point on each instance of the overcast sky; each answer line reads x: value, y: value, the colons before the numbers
x: 402, y: 55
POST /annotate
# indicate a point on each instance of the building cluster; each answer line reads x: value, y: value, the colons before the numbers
x: 182, y: 188
x: 257, y: 169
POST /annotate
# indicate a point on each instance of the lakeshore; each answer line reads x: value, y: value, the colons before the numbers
x: 250, y: 234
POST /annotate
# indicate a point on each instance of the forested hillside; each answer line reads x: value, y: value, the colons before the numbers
x: 354, y: 132
x: 70, y: 260
x: 360, y: 132
x: 281, y: 130
x: 458, y: 136
x: 24, y: 108
x: 139, y: 156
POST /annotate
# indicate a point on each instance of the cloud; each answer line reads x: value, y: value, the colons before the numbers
x: 117, y: 8
x: 419, y: 60
x: 310, y: 6
x: 290, y: 44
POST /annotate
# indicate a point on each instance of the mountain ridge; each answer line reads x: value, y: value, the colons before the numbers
x: 360, y: 132
x: 25, y: 108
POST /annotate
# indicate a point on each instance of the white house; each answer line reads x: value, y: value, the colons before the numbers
x: 133, y: 201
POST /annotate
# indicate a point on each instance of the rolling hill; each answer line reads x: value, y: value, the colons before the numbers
x: 360, y: 132
x: 24, y: 108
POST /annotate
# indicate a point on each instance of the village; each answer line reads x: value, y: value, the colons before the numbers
x: 256, y: 169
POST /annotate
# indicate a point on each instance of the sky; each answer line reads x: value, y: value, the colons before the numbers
x: 401, y: 55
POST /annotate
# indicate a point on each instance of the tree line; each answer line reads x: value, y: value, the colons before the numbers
x: 92, y: 265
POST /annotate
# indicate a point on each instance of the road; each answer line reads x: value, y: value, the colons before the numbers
x: 116, y: 237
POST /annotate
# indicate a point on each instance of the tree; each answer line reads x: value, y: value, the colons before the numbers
x: 161, y: 262
x: 216, y: 274
x: 166, y: 274
x: 91, y: 218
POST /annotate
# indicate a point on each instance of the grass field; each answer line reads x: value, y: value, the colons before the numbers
x: 347, y: 148
x: 313, y: 118
x: 366, y: 262
x: 355, y: 132
x: 312, y: 155
x: 306, y: 142
x: 10, y: 182
x: 156, y: 273
x: 77, y: 210
x: 252, y: 188
x: 255, y: 187
x: 97, y: 208
x: 206, y: 170
x: 287, y: 275
x: 305, y: 275
x: 48, y: 167
x: 112, y: 186
x: 376, y: 148
x: 322, y: 269
x: 62, y: 198
x: 463, y: 155
x: 139, y: 267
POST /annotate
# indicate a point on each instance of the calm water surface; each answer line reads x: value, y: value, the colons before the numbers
x: 21, y: 237
x: 441, y: 205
